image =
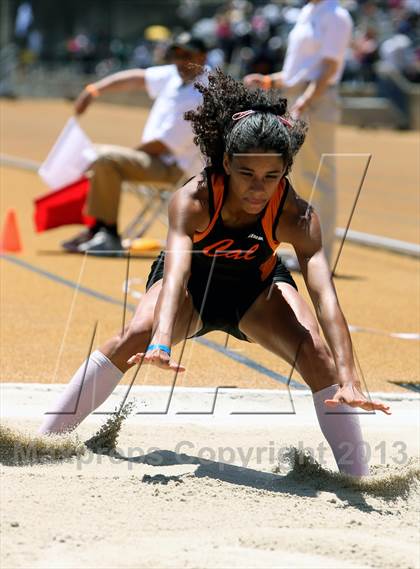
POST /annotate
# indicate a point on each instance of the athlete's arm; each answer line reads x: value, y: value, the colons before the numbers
x: 188, y: 212
x: 300, y: 226
x: 129, y: 80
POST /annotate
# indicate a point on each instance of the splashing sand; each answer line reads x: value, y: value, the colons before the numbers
x: 105, y: 440
x: 18, y: 448
x: 388, y: 481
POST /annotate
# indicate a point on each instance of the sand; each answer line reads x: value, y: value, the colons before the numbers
x: 209, y: 490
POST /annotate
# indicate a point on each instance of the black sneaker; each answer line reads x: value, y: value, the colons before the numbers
x: 103, y: 241
x: 73, y: 244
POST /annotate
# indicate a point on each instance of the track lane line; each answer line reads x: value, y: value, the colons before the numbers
x: 111, y: 300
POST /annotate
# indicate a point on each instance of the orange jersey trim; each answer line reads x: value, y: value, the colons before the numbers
x: 268, y: 266
x: 267, y: 220
x: 218, y: 187
x: 271, y: 213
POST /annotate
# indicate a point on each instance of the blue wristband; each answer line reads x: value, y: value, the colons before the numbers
x: 161, y: 347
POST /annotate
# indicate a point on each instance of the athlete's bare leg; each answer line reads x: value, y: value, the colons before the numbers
x: 136, y: 336
x: 96, y: 378
x: 282, y: 322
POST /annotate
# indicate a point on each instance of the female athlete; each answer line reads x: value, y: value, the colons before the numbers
x: 220, y: 271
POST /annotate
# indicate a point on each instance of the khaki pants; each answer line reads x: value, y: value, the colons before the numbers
x: 313, y: 175
x: 116, y: 164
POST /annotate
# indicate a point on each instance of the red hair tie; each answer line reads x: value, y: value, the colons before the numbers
x: 243, y: 114
x: 286, y: 123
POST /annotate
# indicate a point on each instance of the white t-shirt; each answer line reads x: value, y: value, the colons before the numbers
x: 166, y: 119
x: 397, y: 51
x: 323, y: 30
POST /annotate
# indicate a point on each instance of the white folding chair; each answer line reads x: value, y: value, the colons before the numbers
x: 154, y: 200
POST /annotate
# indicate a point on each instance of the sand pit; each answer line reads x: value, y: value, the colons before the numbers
x: 209, y: 490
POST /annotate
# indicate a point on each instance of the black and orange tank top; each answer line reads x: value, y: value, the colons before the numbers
x: 238, y: 253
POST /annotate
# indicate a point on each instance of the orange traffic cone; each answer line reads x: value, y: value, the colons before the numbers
x: 10, y: 241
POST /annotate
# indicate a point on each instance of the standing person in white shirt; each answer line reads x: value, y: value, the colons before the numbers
x: 311, y: 72
x: 167, y: 152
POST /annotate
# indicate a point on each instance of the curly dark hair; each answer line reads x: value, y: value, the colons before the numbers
x: 216, y: 132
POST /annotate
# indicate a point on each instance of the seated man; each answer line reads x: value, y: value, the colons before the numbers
x: 167, y: 152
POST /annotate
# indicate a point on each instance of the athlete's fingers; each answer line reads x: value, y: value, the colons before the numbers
x: 135, y: 359
x: 356, y: 402
x: 340, y: 400
x: 369, y: 405
x: 145, y: 357
x: 165, y: 363
x: 331, y: 402
x: 364, y: 404
x: 377, y: 406
x: 176, y: 367
x: 156, y: 360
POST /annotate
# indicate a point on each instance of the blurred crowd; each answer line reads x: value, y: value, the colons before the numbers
x: 244, y: 37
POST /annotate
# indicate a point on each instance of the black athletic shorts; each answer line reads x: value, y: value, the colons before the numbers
x: 226, y: 300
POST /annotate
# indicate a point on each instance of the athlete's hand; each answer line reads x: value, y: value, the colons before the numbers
x: 82, y: 102
x: 158, y: 358
x: 352, y: 395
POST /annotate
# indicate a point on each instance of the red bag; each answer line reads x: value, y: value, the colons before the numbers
x: 63, y: 207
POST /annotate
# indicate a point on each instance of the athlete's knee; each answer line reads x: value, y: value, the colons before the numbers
x: 134, y: 338
x: 314, y: 351
x: 121, y: 335
x: 315, y: 363
x: 139, y: 328
x: 137, y: 334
